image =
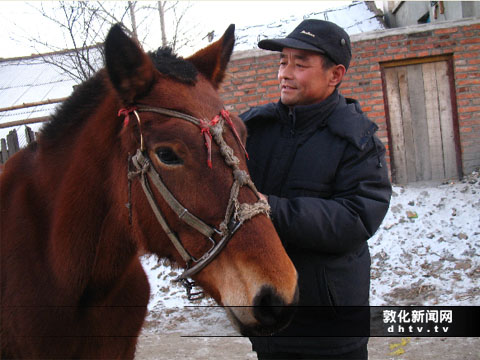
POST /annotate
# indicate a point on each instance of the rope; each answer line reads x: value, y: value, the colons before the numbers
x: 240, y: 212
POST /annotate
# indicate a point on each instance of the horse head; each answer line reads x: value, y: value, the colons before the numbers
x: 190, y: 196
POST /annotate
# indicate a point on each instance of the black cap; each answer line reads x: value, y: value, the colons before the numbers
x: 315, y: 35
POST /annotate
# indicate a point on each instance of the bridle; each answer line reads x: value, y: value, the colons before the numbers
x: 140, y: 166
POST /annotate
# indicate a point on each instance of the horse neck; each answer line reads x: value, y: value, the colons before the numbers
x: 89, y: 241
x: 79, y: 165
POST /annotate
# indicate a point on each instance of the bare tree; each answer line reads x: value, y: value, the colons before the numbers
x: 178, y: 39
x: 84, y: 24
x: 131, y: 7
x: 161, y: 15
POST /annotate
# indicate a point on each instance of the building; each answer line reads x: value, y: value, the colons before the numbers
x: 407, y: 13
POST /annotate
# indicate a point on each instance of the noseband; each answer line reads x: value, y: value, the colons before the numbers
x: 236, y: 214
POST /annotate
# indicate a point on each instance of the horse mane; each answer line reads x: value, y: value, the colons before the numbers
x: 76, y: 108
x: 72, y: 113
x: 168, y: 63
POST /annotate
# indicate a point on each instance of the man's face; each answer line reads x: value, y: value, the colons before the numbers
x: 303, y: 81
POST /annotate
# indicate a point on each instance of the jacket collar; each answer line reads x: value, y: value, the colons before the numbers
x: 307, y: 116
x: 346, y: 120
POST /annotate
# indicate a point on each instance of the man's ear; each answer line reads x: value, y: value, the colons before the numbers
x: 337, y: 74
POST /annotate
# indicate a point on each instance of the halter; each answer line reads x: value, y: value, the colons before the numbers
x: 236, y: 213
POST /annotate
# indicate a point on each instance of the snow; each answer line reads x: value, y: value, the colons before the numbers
x: 354, y: 17
x: 431, y: 257
x: 426, y: 252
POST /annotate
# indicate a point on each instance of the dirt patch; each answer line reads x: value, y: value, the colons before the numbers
x: 174, y: 346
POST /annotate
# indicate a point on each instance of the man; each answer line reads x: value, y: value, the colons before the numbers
x: 315, y: 157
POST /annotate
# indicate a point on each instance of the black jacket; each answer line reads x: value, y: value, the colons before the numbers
x: 327, y: 183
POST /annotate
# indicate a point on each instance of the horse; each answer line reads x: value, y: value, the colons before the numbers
x: 142, y: 157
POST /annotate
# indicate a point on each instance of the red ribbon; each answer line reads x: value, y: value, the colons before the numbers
x: 228, y: 119
x: 126, y: 112
x: 205, y: 129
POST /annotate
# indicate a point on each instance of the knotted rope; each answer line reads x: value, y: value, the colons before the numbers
x: 240, y: 212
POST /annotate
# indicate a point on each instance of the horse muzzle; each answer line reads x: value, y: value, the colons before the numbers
x: 269, y: 314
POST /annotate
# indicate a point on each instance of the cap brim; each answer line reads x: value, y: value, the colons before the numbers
x: 279, y: 44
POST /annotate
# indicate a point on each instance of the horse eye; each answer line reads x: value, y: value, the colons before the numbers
x: 168, y: 156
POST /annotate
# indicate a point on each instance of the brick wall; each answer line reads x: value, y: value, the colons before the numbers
x: 252, y: 75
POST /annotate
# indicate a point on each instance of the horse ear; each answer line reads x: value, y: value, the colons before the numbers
x: 212, y: 60
x: 130, y: 70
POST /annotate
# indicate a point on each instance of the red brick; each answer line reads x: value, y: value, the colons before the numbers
x: 273, y: 89
x: 241, y: 106
x: 469, y: 109
x: 246, y: 85
x: 250, y: 98
x: 470, y: 123
x: 269, y: 82
x: 242, y: 61
x: 371, y: 75
x: 463, y: 117
x: 459, y: 69
x: 446, y: 31
x: 267, y: 71
x: 469, y: 82
x: 263, y: 102
x: 470, y: 41
x: 272, y: 96
x: 230, y: 101
x: 244, y: 74
x: 375, y: 114
x: 386, y: 58
x: 474, y: 62
x: 423, y: 54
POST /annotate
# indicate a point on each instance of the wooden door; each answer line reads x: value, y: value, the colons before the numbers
x: 421, y: 121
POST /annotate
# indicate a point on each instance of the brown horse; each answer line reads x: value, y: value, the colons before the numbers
x: 72, y: 285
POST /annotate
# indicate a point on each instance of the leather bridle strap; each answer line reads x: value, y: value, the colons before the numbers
x: 146, y: 171
x: 170, y: 199
x: 170, y: 113
x: 144, y: 168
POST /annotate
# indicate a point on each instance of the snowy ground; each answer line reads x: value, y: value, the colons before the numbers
x: 425, y: 253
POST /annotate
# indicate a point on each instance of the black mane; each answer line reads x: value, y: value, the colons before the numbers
x: 76, y: 108
x: 171, y: 65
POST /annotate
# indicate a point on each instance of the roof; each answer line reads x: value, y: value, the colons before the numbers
x: 31, y: 87
x: 357, y: 17
x: 29, y: 80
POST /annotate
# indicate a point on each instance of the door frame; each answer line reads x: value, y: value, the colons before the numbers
x: 453, y: 99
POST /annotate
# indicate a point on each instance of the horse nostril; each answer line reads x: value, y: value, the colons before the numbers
x: 270, y: 309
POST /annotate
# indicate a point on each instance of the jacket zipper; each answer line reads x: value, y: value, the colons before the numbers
x: 291, y: 115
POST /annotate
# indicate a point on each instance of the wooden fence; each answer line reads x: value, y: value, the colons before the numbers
x: 10, y: 144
